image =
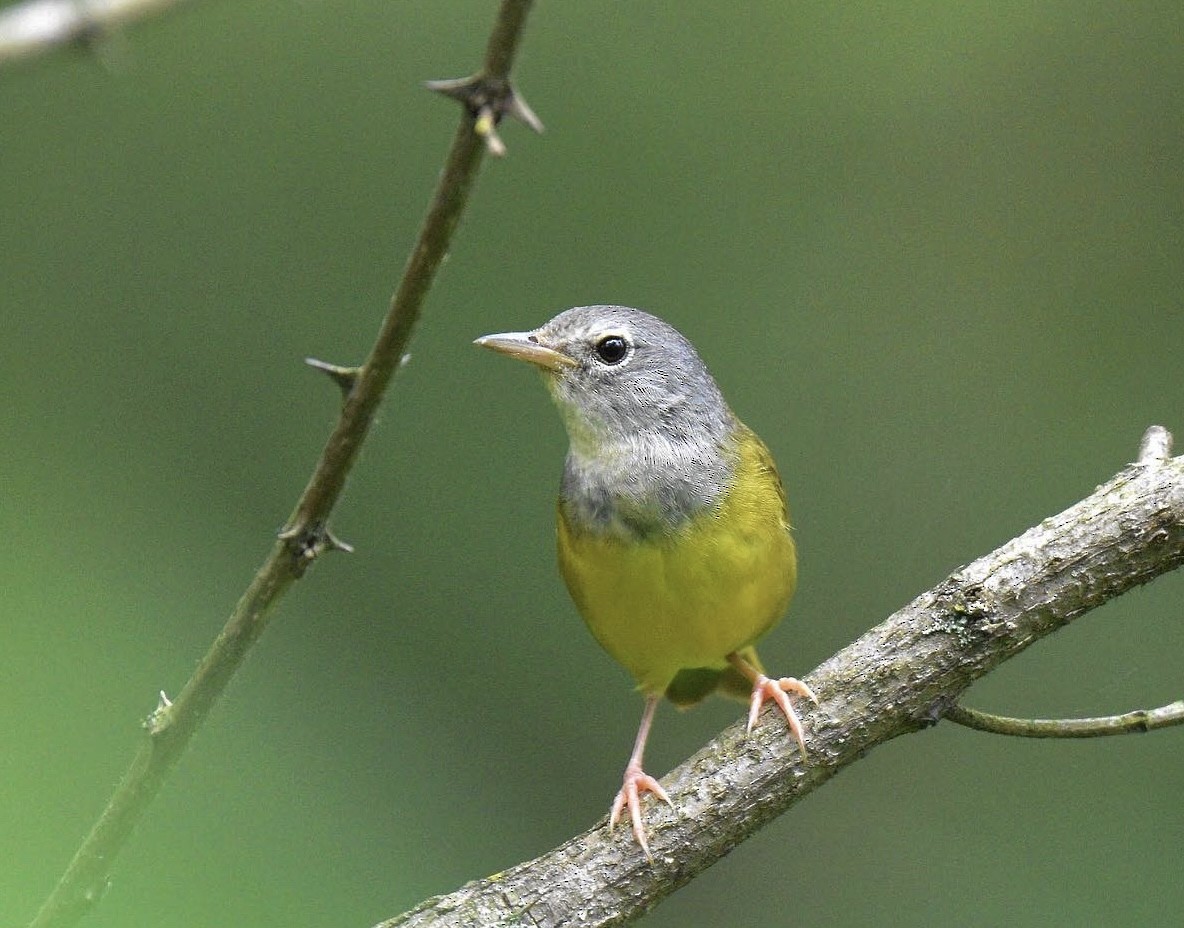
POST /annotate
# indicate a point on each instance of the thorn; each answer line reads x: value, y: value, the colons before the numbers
x: 161, y: 717
x: 486, y: 127
x: 460, y: 88
x: 516, y: 108
x: 344, y: 377
x: 333, y: 543
x: 487, y: 101
x: 307, y: 543
x: 1156, y: 446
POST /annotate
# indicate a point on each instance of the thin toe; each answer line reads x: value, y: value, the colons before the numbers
x: 635, y: 783
x: 763, y: 688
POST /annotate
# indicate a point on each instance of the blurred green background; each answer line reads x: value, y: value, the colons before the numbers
x: 933, y: 252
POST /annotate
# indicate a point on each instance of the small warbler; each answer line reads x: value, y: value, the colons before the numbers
x: 673, y: 535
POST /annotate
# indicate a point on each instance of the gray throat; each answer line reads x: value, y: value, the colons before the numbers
x: 646, y: 484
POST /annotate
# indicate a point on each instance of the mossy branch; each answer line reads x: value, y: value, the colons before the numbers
x: 172, y: 725
x: 903, y: 675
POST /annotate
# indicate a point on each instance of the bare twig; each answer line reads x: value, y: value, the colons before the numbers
x: 173, y: 724
x: 36, y: 27
x: 901, y: 676
x: 1139, y: 720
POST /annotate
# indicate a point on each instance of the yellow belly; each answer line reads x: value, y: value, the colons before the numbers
x: 688, y: 598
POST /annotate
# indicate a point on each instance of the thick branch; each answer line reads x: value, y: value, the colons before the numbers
x: 901, y: 676
x: 172, y: 725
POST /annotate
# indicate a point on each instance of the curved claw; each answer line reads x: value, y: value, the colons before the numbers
x: 636, y: 782
x: 764, y: 688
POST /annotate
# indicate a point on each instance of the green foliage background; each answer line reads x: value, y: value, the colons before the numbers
x: 933, y: 253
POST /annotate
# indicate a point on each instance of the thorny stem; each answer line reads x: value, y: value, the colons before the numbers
x: 171, y: 727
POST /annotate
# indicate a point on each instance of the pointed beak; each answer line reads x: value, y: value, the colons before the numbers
x: 525, y: 347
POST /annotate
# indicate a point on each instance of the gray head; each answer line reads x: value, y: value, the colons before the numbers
x: 618, y: 374
x: 652, y: 439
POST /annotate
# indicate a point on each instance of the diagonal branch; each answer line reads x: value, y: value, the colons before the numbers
x: 901, y: 676
x: 171, y: 727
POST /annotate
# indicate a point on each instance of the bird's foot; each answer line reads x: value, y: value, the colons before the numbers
x: 765, y: 688
x: 636, y: 782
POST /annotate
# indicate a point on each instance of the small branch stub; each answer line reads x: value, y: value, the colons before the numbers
x: 487, y: 100
x: 1156, y: 446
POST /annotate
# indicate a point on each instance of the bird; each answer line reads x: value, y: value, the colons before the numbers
x: 673, y: 529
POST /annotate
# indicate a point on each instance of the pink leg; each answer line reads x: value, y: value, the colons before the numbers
x: 764, y: 688
x: 637, y: 781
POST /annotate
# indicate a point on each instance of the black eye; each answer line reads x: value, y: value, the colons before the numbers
x: 612, y: 349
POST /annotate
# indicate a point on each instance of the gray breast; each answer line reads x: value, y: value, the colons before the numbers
x: 646, y: 486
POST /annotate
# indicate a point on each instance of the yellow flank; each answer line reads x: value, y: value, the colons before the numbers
x: 689, y: 598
